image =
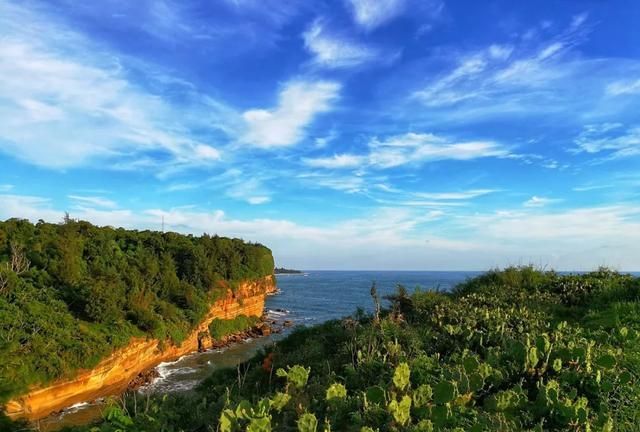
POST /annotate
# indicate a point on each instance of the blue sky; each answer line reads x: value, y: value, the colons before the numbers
x: 349, y: 134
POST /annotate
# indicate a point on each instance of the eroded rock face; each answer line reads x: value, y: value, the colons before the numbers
x: 113, y: 374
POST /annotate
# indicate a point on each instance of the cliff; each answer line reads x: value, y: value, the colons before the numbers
x: 113, y: 374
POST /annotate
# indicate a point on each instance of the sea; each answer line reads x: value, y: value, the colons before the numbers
x: 305, y: 299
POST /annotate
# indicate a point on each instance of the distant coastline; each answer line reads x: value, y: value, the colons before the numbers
x: 282, y: 270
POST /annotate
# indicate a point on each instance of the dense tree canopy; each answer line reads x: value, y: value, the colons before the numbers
x: 72, y: 292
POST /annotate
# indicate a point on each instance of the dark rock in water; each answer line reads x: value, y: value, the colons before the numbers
x: 287, y: 323
x: 143, y: 379
x: 263, y: 329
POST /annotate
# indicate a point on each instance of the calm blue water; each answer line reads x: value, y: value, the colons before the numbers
x: 318, y: 296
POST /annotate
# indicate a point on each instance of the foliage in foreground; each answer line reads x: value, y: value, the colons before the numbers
x: 512, y: 350
x: 71, y: 293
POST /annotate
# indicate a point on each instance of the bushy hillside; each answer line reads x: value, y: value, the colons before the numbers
x: 70, y: 293
x: 512, y: 350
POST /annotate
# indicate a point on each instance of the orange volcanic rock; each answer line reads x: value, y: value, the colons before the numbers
x: 113, y: 374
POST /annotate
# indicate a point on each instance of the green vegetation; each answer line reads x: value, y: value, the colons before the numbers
x: 220, y: 328
x: 71, y: 293
x: 512, y: 350
x: 282, y: 270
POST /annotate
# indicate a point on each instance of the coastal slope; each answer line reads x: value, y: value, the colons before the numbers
x: 113, y: 374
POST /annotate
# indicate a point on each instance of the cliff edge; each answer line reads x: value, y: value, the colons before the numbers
x: 113, y: 374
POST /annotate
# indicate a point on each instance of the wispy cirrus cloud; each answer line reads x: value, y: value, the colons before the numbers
x: 284, y: 125
x: 538, y: 201
x: 421, y: 147
x: 349, y: 183
x: 244, y: 185
x: 411, y: 148
x: 611, y: 138
x: 370, y: 14
x: 335, y: 161
x: 497, y: 70
x: 250, y: 190
x: 93, y: 201
x: 67, y: 102
x: 332, y: 50
x: 460, y: 195
x: 438, y: 201
x: 624, y: 87
x: 513, y: 78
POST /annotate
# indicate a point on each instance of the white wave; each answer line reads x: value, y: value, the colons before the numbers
x: 277, y: 313
x: 180, y: 386
x: 75, y: 408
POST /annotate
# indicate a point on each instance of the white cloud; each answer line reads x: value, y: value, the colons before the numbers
x: 370, y: 14
x: 298, y: 104
x: 6, y: 187
x: 335, y: 161
x: 93, y: 201
x: 579, y: 20
x: 577, y: 225
x: 176, y: 187
x: 346, y: 183
x: 243, y: 187
x: 507, y: 78
x: 576, y: 239
x: 40, y: 112
x: 333, y: 51
x: 65, y: 101
x: 386, y: 188
x: 255, y: 200
x: 28, y: 207
x: 612, y: 138
x: 410, y: 148
x: 591, y: 187
x: 246, y: 185
x: 206, y: 152
x: 419, y: 148
x: 550, y: 50
x: 623, y: 87
x: 500, y: 52
x: 536, y: 201
x: 422, y: 203
x: 442, y: 91
x: 463, y: 195
x: 322, y: 142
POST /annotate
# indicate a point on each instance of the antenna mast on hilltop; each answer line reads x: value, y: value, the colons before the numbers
x: 162, y: 223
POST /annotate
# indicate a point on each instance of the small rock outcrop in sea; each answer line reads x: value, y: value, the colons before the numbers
x: 143, y: 379
x: 262, y: 328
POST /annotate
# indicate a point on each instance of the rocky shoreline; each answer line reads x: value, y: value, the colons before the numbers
x: 264, y: 327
